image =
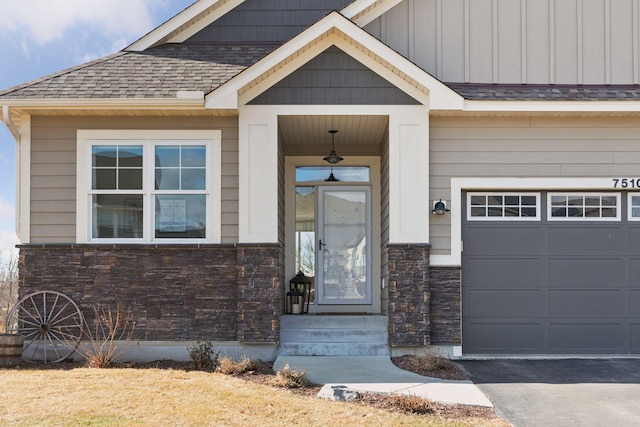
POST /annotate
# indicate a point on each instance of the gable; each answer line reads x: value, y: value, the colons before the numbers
x: 267, y: 20
x: 334, y: 78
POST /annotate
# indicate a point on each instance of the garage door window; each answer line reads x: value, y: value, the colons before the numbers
x: 634, y: 207
x: 503, y: 206
x: 584, y: 207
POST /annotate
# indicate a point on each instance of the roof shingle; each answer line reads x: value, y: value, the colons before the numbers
x: 159, y: 72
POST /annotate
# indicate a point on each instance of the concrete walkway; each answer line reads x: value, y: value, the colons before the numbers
x: 379, y: 375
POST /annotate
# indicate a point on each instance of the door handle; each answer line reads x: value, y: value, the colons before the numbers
x: 320, y: 244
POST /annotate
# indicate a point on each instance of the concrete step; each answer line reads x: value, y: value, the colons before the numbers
x: 333, y: 335
x: 333, y: 349
x: 332, y: 321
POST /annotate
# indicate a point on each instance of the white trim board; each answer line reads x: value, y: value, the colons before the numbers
x: 458, y: 185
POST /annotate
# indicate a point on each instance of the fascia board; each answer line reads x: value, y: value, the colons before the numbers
x: 101, y: 103
x: 441, y: 96
x: 165, y: 30
x: 552, y: 106
x: 356, y: 10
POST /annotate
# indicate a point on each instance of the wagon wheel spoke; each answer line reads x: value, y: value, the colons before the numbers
x: 51, y: 324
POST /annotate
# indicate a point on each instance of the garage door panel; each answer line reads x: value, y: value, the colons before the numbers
x: 588, y: 304
x: 595, y: 239
x: 498, y: 303
x: 580, y: 338
x: 498, y: 337
x: 587, y: 272
x: 634, y: 303
x: 503, y: 272
x: 634, y: 332
x: 634, y: 240
x: 485, y: 239
x: 634, y: 273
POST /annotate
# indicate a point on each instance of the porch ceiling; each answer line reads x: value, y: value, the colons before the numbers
x: 309, y: 135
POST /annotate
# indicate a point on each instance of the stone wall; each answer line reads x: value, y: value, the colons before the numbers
x: 175, y: 292
x: 424, y: 302
x: 445, y: 305
x: 409, y: 294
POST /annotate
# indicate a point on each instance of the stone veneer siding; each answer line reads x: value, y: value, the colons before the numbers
x: 424, y: 302
x: 175, y: 292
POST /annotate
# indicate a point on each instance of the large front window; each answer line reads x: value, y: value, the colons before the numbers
x: 150, y: 190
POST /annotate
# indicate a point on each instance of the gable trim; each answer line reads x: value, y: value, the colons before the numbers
x: 336, y: 30
x: 363, y: 12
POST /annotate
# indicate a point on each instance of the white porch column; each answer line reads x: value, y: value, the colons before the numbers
x: 258, y: 175
x: 409, y: 206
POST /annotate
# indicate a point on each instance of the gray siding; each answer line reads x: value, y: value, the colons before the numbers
x: 518, y: 41
x: 267, y: 20
x: 333, y: 77
x: 526, y: 147
x: 53, y: 169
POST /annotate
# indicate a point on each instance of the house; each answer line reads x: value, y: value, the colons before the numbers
x: 186, y: 176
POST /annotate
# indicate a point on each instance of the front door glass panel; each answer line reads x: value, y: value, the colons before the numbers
x: 344, y: 245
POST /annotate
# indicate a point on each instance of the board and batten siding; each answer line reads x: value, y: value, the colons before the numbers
x: 518, y: 41
x: 526, y: 147
x: 53, y: 169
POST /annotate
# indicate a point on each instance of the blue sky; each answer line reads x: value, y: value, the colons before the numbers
x: 40, y: 37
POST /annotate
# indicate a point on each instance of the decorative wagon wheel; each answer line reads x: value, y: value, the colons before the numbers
x: 51, y: 324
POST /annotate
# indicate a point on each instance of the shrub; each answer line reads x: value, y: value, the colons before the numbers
x: 109, y: 339
x: 290, y: 378
x: 203, y: 356
x: 228, y: 366
x: 411, y: 404
x: 436, y: 363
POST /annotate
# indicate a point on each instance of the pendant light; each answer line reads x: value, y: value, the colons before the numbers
x: 333, y: 157
x: 331, y: 177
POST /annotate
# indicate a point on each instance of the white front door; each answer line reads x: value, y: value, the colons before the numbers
x: 344, y: 245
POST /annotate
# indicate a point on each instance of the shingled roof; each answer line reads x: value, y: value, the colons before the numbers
x: 159, y: 72
x: 534, y: 92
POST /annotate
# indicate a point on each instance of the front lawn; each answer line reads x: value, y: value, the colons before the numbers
x: 149, y: 396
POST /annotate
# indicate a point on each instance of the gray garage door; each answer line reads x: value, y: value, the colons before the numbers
x: 551, y: 273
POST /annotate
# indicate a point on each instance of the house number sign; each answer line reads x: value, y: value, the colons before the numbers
x: 626, y: 183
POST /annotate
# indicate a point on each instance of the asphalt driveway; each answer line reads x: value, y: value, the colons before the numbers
x: 576, y: 392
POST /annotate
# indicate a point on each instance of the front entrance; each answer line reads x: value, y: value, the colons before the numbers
x: 344, y: 251
x: 335, y: 236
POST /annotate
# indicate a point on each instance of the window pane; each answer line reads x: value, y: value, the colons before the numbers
x: 193, y: 179
x: 609, y: 201
x: 130, y: 156
x: 635, y: 201
x: 528, y: 211
x: 104, y: 179
x: 512, y: 200
x: 168, y: 156
x: 342, y: 173
x: 194, y: 156
x: 180, y: 216
x: 609, y: 212
x: 130, y: 179
x: 479, y: 211
x: 559, y: 212
x: 529, y: 200
x: 167, y: 179
x: 635, y: 212
x: 117, y: 216
x: 104, y: 156
x: 478, y: 200
x: 575, y: 200
x: 494, y: 200
x: 494, y: 211
x: 575, y: 212
x: 592, y: 201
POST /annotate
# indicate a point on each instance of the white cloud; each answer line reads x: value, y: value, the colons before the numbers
x: 45, y: 21
x: 7, y: 210
x: 8, y: 242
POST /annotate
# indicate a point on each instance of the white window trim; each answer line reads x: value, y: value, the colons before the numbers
x: 503, y: 218
x: 618, y: 216
x: 460, y: 184
x: 86, y: 138
x: 630, y: 207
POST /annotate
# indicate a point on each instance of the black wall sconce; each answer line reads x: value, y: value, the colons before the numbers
x: 439, y: 208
